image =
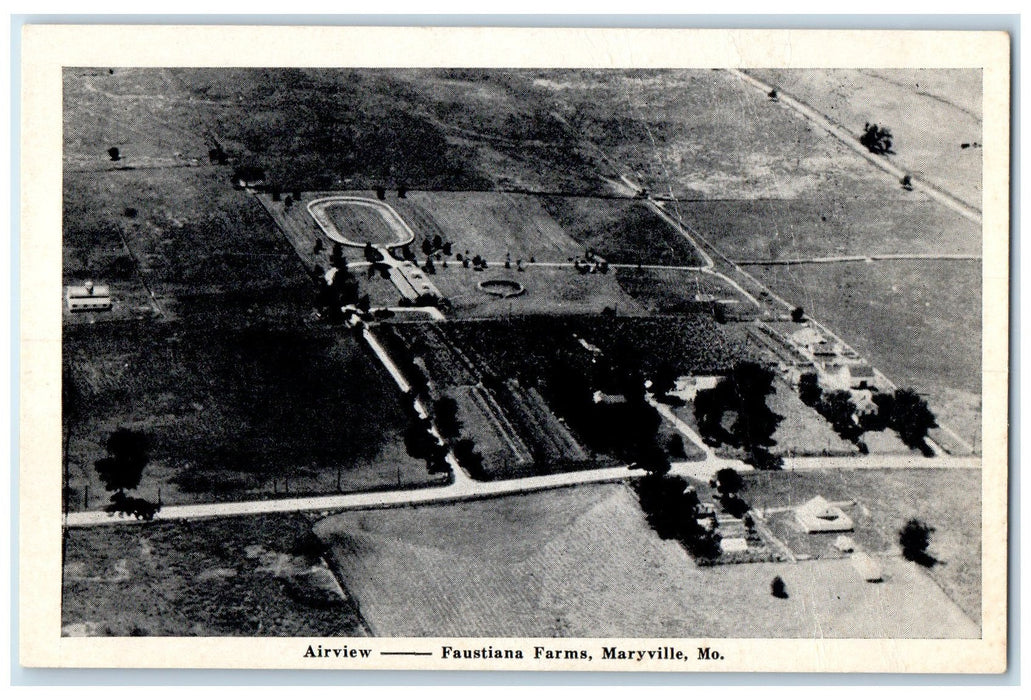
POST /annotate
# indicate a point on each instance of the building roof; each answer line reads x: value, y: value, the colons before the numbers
x: 861, y: 370
x: 844, y: 543
x: 867, y: 567
x: 77, y: 291
x: 818, y: 515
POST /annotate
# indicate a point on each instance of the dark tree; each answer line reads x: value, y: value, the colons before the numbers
x: 876, y: 139
x: 469, y: 458
x: 742, y: 393
x: 881, y: 418
x: 912, y: 419
x: 336, y: 256
x: 676, y: 446
x: 381, y: 192
x: 664, y: 379
x: 809, y: 389
x: 797, y: 314
x: 248, y: 175
x: 127, y: 456
x: 772, y: 94
x: 839, y: 410
x: 418, y: 440
x: 777, y: 588
x: 729, y: 482
x: 907, y: 183
x: 445, y: 410
x: 402, y: 192
x: 371, y: 254
x: 288, y: 202
x: 114, y: 153
x: 427, y: 246
x: 915, y: 537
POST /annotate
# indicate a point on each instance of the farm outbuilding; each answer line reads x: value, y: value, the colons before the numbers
x: 412, y: 282
x: 867, y: 567
x: 844, y: 543
x: 819, y: 515
x: 88, y: 297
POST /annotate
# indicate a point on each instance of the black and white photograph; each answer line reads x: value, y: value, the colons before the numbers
x: 414, y: 364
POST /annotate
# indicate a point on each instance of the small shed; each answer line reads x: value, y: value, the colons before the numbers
x: 733, y: 544
x: 844, y: 543
x: 88, y: 297
x: 867, y: 567
x: 818, y: 515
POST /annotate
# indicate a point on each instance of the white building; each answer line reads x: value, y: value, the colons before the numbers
x: 88, y: 297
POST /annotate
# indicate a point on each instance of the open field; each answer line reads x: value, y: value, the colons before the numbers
x: 583, y: 562
x: 946, y: 499
x: 489, y: 224
x: 549, y: 290
x: 827, y: 224
x: 255, y: 576
x: 929, y: 113
x: 187, y: 230
x: 675, y: 291
x: 622, y: 231
x: 920, y: 335
x: 233, y: 413
x: 803, y: 431
x: 702, y: 133
x: 188, y: 233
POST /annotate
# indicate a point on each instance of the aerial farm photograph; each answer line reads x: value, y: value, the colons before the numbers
x: 522, y: 353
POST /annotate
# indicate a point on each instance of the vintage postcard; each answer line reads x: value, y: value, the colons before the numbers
x: 514, y: 349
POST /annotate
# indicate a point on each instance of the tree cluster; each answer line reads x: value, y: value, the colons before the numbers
x: 624, y: 423
x: 740, y: 398
x: 341, y: 290
x: 729, y: 484
x: 903, y: 411
x: 674, y: 511
x: 876, y: 139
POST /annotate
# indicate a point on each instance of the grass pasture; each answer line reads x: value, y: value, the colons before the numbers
x: 257, y: 576
x: 490, y: 224
x: 583, y: 562
x: 622, y: 231
x: 703, y: 134
x: 549, y: 290
x: 828, y: 224
x: 664, y: 291
x: 234, y: 413
x: 929, y: 113
x: 946, y: 499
